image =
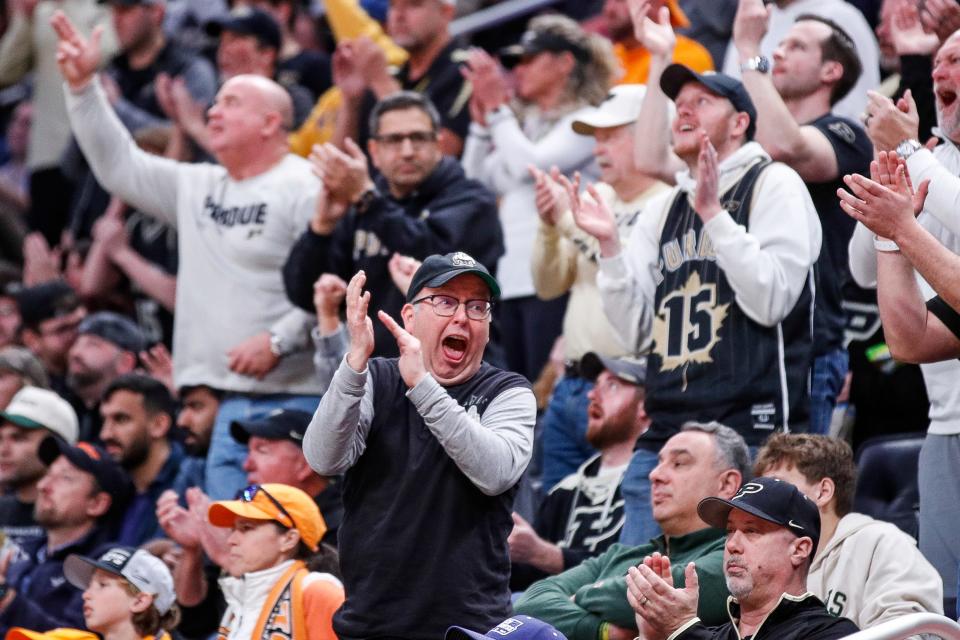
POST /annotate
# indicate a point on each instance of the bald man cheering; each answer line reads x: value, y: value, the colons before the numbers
x: 236, y: 223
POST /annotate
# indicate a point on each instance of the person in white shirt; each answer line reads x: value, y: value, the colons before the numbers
x: 864, y: 569
x: 234, y: 329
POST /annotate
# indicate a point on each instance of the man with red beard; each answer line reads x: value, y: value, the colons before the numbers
x: 583, y: 513
x: 432, y: 445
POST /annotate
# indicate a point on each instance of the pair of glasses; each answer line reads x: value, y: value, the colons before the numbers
x: 248, y: 494
x: 417, y: 138
x: 446, y: 306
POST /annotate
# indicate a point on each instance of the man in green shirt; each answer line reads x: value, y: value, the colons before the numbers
x: 589, y: 601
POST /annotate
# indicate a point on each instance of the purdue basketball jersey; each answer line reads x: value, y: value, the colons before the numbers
x: 709, y: 360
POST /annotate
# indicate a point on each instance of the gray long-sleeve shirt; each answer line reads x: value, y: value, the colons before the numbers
x: 492, y: 451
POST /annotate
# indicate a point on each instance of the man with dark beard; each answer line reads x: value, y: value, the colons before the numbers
x: 106, y: 348
x: 583, y: 513
x: 137, y: 416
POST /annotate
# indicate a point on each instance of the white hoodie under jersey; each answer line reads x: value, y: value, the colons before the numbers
x: 870, y: 571
x: 234, y: 237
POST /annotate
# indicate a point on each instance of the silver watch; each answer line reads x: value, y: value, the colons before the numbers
x: 278, y: 345
x: 908, y: 147
x: 756, y: 63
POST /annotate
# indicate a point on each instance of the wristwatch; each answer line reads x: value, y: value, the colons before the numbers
x: 365, y: 200
x: 278, y: 346
x: 908, y: 147
x: 756, y: 63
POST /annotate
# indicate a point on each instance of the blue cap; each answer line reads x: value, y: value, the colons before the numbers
x: 677, y: 75
x: 515, y: 628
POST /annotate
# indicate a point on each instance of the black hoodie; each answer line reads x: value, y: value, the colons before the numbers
x: 448, y: 212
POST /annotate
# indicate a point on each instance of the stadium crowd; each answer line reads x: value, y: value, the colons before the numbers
x: 438, y: 319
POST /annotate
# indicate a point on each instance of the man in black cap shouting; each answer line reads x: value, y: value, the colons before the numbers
x: 432, y: 445
x: 772, y: 535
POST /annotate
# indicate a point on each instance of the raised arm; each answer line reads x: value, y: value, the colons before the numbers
x: 886, y: 206
x: 337, y: 433
x: 653, y: 153
x: 805, y: 149
x: 142, y: 180
x: 768, y: 266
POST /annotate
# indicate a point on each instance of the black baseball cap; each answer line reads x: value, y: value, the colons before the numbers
x: 248, y: 21
x: 44, y: 301
x: 769, y: 499
x: 279, y: 424
x: 437, y: 270
x: 677, y: 75
x: 534, y: 42
x: 114, y: 328
x: 633, y: 371
x: 92, y: 459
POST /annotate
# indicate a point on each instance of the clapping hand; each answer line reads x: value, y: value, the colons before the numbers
x: 359, y: 325
x: 706, y: 202
x: 551, y: 196
x: 885, y: 203
x: 412, y: 369
x: 591, y: 214
x: 660, y: 608
x: 657, y: 37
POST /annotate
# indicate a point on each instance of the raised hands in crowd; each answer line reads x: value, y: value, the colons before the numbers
x: 345, y: 176
x: 886, y: 202
x: 490, y: 89
x: 660, y: 607
x: 78, y: 57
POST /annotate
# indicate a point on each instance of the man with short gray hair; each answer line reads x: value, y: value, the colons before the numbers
x: 589, y: 601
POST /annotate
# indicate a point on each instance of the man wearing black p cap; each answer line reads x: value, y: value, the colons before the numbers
x: 431, y: 445
x: 772, y: 534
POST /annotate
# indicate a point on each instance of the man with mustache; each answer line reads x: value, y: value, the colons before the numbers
x: 772, y: 533
x: 582, y: 515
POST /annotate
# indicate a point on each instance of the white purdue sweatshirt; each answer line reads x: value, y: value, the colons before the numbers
x: 234, y: 237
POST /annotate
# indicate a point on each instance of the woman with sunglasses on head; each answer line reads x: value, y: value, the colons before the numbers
x: 127, y: 594
x: 270, y: 592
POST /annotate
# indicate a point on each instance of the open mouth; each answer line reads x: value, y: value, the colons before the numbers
x: 594, y: 411
x: 454, y: 348
x: 685, y: 128
x: 946, y: 97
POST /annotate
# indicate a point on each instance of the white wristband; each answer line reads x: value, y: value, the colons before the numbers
x: 885, y: 245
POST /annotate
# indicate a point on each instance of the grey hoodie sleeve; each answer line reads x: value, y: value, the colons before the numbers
x: 337, y: 434
x: 492, y: 451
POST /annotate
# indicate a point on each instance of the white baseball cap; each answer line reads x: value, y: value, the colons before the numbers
x: 143, y: 570
x: 36, y: 408
x: 620, y: 107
